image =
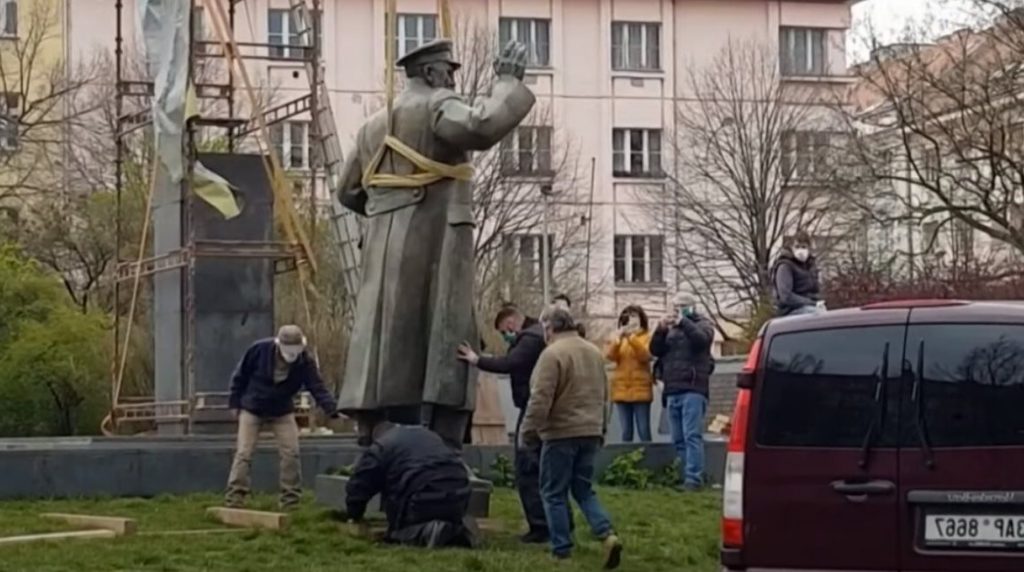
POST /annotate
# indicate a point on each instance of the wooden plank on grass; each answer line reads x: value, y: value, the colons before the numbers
x: 120, y: 526
x: 249, y: 518
x: 78, y: 534
x: 202, y: 531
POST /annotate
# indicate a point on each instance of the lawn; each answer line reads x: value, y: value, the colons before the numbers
x: 663, y: 531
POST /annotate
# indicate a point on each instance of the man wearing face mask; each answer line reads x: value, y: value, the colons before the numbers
x: 525, y: 339
x: 795, y: 277
x: 682, y: 343
x: 263, y: 390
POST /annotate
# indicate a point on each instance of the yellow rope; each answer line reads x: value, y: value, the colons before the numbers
x: 444, y: 14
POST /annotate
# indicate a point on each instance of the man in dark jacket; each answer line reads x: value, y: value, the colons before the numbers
x: 682, y: 343
x: 525, y: 337
x: 423, y: 483
x: 263, y: 390
x: 797, y: 289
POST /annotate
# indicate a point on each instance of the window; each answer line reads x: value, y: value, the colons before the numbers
x: 930, y: 236
x: 525, y: 251
x: 930, y: 167
x: 637, y: 152
x: 636, y: 46
x: 820, y: 386
x: 971, y: 386
x: 963, y: 241
x: 414, y: 30
x: 10, y: 110
x: 199, y: 30
x: 638, y: 259
x: 803, y: 51
x: 9, y: 18
x: 805, y: 154
x: 291, y: 142
x: 527, y: 150
x: 286, y: 34
x: 533, y: 33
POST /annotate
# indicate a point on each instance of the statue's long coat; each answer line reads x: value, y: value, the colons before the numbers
x: 415, y: 303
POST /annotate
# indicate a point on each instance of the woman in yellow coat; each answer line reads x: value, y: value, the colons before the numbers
x: 632, y: 381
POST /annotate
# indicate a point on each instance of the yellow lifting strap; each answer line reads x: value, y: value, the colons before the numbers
x: 431, y: 171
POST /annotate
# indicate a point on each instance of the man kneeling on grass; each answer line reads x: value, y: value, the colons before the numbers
x: 568, y: 412
x: 423, y: 483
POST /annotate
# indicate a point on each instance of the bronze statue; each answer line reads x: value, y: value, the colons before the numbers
x: 415, y: 303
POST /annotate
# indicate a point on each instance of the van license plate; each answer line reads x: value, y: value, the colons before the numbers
x: 983, y: 531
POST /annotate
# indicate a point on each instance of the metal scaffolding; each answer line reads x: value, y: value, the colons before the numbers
x: 292, y: 254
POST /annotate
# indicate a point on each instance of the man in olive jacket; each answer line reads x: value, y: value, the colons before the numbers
x: 568, y: 412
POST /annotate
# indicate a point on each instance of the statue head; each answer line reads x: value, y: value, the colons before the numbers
x: 432, y: 63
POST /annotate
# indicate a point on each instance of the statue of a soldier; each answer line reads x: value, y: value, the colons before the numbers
x: 409, y: 177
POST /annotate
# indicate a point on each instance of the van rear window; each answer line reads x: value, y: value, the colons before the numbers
x: 819, y: 387
x: 972, y: 389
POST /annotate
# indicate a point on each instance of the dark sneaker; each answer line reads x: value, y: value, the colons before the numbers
x: 612, y: 552
x: 535, y: 537
x: 234, y: 502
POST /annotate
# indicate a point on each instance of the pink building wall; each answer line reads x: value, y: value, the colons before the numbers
x: 587, y: 98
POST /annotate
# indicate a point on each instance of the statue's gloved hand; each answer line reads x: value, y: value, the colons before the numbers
x: 511, y: 60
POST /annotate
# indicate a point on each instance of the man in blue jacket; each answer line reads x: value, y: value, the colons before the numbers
x: 682, y: 343
x: 263, y: 390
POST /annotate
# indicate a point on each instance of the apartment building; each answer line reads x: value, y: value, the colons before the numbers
x: 608, y: 75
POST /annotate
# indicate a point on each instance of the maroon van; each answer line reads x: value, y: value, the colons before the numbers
x: 888, y: 437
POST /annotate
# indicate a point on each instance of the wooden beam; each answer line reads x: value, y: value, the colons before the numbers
x: 78, y: 534
x: 118, y: 525
x: 203, y: 531
x: 249, y: 518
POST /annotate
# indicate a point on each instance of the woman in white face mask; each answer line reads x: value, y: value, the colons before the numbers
x: 797, y: 289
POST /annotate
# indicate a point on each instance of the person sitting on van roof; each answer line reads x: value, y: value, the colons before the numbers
x: 796, y: 287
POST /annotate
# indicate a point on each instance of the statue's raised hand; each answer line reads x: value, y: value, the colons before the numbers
x: 511, y: 60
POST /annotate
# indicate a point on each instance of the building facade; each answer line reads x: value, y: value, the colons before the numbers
x: 608, y: 74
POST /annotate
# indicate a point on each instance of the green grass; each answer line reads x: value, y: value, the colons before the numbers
x: 662, y: 530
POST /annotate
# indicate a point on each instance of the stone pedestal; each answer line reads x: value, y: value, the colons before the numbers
x: 330, y: 492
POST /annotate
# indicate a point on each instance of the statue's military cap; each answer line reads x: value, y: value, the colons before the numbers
x: 439, y: 50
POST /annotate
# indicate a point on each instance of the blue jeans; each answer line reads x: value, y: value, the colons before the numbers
x: 686, y: 419
x: 638, y: 414
x: 567, y: 466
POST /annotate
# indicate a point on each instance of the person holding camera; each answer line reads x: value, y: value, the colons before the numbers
x: 682, y: 343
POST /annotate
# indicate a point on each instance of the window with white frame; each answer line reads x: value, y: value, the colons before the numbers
x: 527, y: 151
x: 636, y: 152
x: 8, y: 18
x: 292, y: 143
x: 286, y: 35
x: 963, y: 241
x: 525, y: 252
x: 414, y: 30
x: 636, y: 46
x: 639, y: 259
x: 805, y: 154
x: 10, y: 110
x: 534, y: 33
x: 804, y: 51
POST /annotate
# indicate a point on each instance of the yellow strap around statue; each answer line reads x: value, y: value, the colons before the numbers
x: 431, y: 171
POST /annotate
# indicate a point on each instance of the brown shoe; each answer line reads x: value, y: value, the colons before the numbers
x: 612, y: 552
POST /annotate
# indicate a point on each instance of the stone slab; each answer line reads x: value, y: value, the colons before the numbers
x: 145, y: 467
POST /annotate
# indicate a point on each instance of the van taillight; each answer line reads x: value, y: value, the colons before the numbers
x: 732, y: 503
x: 745, y: 378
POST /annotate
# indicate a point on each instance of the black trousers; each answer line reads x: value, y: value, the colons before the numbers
x: 527, y: 465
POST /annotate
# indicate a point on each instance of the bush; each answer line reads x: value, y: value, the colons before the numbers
x: 53, y: 358
x: 502, y: 473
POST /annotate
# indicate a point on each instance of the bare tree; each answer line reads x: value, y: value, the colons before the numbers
x: 753, y: 164
x: 39, y: 103
x: 941, y: 133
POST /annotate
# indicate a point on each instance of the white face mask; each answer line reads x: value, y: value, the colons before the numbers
x: 802, y: 254
x: 290, y: 356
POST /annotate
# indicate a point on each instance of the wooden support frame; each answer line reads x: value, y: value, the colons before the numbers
x: 76, y: 535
